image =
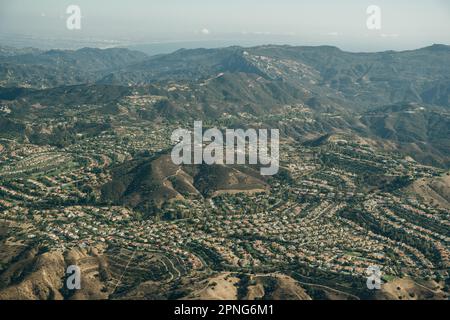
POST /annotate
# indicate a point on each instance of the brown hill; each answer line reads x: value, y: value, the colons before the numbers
x: 433, y: 190
x: 148, y: 183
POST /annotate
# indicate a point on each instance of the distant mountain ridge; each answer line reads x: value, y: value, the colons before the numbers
x: 366, y: 79
x: 400, y: 97
x: 53, y: 68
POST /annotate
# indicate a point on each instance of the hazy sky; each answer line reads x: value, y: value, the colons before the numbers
x: 404, y: 24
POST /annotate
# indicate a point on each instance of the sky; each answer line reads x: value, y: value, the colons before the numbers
x: 404, y: 24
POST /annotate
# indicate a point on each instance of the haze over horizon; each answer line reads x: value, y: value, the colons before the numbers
x: 160, y: 27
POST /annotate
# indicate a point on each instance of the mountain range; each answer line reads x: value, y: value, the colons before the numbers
x: 399, y: 97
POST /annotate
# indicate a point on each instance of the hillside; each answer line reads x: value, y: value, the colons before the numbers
x: 44, y: 69
x: 148, y: 183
